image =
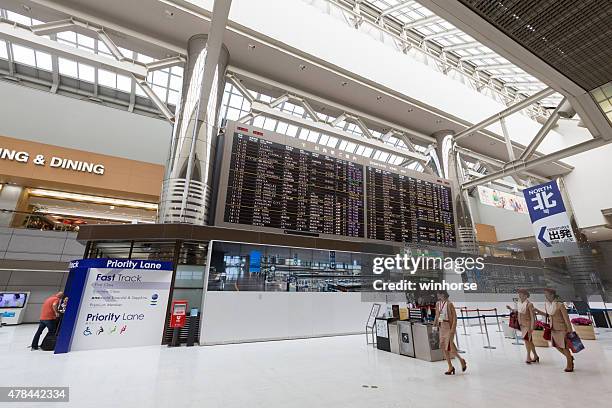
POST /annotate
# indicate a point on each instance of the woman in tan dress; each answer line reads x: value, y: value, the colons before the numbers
x: 527, y: 319
x: 446, y: 322
x: 560, y: 324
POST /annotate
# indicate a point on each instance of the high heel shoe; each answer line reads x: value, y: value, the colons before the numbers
x: 450, y: 372
x: 464, y: 366
x: 535, y: 360
x: 571, y: 368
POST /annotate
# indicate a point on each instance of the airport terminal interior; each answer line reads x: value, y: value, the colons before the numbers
x: 305, y: 203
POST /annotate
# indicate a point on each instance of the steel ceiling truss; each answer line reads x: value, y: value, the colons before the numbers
x: 374, y: 133
x: 524, y: 162
x: 43, y: 37
x: 358, y: 12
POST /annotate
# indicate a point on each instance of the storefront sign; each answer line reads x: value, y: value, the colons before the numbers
x: 53, y: 161
x: 551, y: 225
x: 114, y: 303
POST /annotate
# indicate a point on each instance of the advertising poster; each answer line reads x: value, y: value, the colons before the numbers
x: 501, y: 199
x: 551, y: 225
x: 121, y: 303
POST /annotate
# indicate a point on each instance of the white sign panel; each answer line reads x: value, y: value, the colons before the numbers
x: 501, y: 199
x: 123, y: 306
x: 551, y: 225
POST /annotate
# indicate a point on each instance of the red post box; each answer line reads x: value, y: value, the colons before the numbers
x: 179, y: 314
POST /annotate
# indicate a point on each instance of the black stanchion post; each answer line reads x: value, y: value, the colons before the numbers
x: 499, y: 329
x: 479, y: 322
x: 488, y: 346
x: 463, y: 322
x: 457, y: 340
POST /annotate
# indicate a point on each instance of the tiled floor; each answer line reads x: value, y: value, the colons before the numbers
x: 326, y: 372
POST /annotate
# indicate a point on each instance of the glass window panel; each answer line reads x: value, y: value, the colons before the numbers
x: 258, y: 121
x: 102, y: 48
x: 160, y: 78
x: 332, y: 142
x: 24, y: 55
x: 269, y: 124
x: 292, y: 130
x: 282, y: 127
x: 107, y: 78
x: 3, y: 52
x: 143, y: 58
x: 160, y: 92
x: 67, y: 67
x: 236, y: 101
x: 124, y: 83
x: 87, y: 72
x: 177, y: 71
x: 313, y: 136
x: 68, y: 36
x: 234, y: 114
x: 43, y: 61
x: 173, y: 97
x: 176, y: 82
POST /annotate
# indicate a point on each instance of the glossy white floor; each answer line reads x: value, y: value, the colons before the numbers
x: 325, y: 372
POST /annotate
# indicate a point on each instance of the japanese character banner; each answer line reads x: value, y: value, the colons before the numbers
x: 551, y: 225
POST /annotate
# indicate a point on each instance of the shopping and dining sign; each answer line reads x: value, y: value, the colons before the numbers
x: 551, y: 224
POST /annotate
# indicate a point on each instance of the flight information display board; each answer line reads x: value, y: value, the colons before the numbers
x: 279, y: 186
x: 272, y: 182
x: 406, y: 209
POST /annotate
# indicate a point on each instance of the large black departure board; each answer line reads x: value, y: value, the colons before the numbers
x: 407, y: 209
x: 279, y: 186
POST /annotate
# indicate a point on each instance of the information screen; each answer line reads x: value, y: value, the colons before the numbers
x: 406, y: 209
x: 12, y: 299
x: 280, y: 186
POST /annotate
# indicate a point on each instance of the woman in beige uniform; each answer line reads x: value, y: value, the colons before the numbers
x: 527, y: 319
x: 560, y: 325
x: 446, y: 321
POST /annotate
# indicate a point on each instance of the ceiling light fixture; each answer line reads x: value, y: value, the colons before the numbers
x: 251, y: 47
x: 302, y: 67
x: 169, y: 13
x: 378, y: 98
x: 63, y: 195
x: 344, y: 83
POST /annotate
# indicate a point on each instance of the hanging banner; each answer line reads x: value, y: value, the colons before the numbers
x: 114, y: 303
x: 551, y: 225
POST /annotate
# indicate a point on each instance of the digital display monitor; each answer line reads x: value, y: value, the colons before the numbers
x: 12, y: 300
x: 279, y: 186
x: 272, y: 182
x: 402, y: 208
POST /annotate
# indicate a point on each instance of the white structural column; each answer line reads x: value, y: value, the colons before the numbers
x: 187, y: 184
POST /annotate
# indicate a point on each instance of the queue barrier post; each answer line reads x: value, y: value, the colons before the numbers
x: 499, y: 329
x: 457, y: 341
x: 465, y: 333
x: 479, y: 322
x: 488, y: 345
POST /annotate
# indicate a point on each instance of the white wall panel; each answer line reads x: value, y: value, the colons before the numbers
x: 233, y: 317
x: 43, y: 117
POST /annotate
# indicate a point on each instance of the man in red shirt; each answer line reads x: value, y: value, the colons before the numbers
x: 48, y: 316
